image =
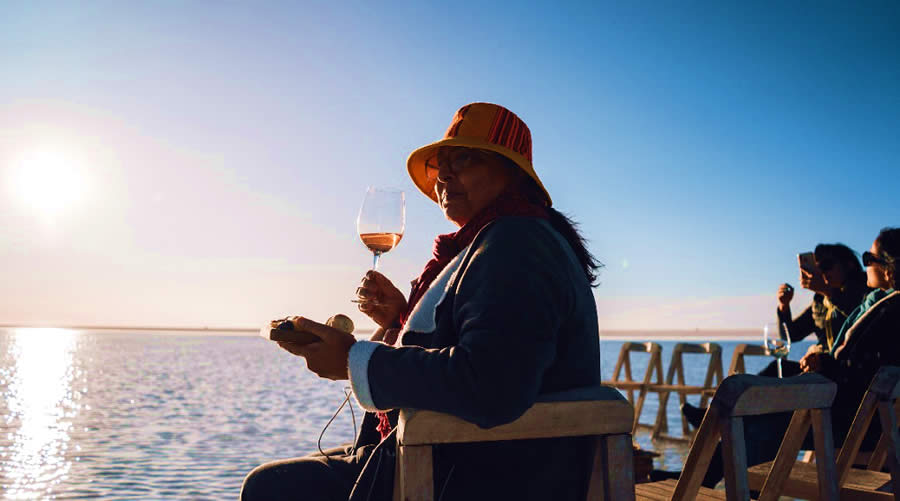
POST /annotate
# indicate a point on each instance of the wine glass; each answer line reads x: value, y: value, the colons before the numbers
x: 775, y: 345
x: 381, y: 221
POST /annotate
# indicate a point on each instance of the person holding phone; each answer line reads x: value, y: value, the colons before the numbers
x: 865, y: 342
x: 834, y: 274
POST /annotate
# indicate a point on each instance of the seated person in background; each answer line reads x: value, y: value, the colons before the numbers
x: 502, y: 313
x: 867, y: 340
x: 840, y: 285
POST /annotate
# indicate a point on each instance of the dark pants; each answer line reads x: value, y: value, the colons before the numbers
x: 788, y: 368
x: 314, y: 477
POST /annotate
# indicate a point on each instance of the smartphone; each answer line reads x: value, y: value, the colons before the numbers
x: 273, y: 333
x: 807, y: 261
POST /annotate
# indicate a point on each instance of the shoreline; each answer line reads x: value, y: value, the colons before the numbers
x: 609, y: 335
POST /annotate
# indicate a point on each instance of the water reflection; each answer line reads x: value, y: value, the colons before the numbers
x: 39, y: 401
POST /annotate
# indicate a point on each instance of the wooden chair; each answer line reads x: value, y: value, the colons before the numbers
x: 598, y: 411
x: 809, y: 396
x: 676, y: 369
x: 742, y: 350
x: 629, y: 385
x: 737, y: 360
x: 861, y: 484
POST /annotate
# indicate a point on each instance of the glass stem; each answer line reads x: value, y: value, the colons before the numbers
x: 778, y: 361
x: 375, y: 256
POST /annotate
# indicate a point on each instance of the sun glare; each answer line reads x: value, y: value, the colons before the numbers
x: 48, y: 182
x: 40, y: 403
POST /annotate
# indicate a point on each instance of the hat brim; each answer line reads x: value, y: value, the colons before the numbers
x: 415, y: 164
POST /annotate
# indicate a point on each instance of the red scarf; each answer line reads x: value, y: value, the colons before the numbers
x: 447, y: 247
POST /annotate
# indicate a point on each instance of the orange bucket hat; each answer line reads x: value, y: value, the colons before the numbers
x: 484, y: 126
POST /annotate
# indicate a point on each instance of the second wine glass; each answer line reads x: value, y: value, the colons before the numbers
x: 775, y: 345
x: 381, y: 221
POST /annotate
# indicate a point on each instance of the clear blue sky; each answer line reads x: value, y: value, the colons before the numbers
x: 217, y: 152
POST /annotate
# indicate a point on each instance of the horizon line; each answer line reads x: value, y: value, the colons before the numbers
x: 206, y: 328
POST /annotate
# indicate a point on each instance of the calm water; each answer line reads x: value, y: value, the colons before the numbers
x: 144, y: 416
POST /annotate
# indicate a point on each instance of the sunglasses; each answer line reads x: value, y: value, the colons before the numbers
x: 456, y: 161
x: 869, y: 259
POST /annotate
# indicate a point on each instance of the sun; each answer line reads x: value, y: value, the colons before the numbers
x: 48, y: 182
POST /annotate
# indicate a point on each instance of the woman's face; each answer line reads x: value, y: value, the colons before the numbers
x: 467, y: 180
x: 877, y: 274
x: 833, y: 272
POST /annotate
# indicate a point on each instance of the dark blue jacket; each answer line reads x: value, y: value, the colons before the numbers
x: 516, y: 319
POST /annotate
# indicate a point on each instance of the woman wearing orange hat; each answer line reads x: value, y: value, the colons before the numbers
x: 502, y: 313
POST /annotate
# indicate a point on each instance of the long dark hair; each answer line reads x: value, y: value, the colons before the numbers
x: 561, y: 223
x: 888, y: 242
x: 842, y: 254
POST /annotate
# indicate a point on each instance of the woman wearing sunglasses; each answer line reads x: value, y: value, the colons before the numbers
x: 501, y: 314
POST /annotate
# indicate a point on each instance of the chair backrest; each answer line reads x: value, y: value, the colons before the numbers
x: 675, y: 377
x: 713, y: 368
x: 740, y: 351
x: 881, y: 397
x: 624, y: 360
x: 809, y: 396
x: 654, y: 365
x: 598, y: 411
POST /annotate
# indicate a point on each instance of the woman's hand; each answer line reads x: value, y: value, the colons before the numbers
x: 380, y: 300
x: 813, y: 361
x: 328, y: 357
x: 386, y: 336
x: 813, y: 281
x: 785, y: 294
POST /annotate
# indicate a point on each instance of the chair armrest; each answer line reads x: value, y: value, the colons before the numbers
x: 566, y: 414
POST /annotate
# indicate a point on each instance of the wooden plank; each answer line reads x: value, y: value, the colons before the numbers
x: 662, y: 420
x: 713, y: 377
x: 624, y: 385
x: 654, y: 364
x: 878, y: 457
x: 855, y: 435
x: 706, y: 348
x: 888, y: 419
x: 748, y: 395
x: 803, y: 482
x: 740, y: 352
x: 699, y: 456
x: 618, y: 467
x: 734, y: 456
x: 663, y: 491
x: 682, y: 398
x: 416, y: 473
x: 786, y: 457
x: 826, y: 468
x: 542, y: 420
x: 679, y: 388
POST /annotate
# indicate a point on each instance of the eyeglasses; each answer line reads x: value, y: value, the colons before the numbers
x: 456, y: 161
x: 869, y: 259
